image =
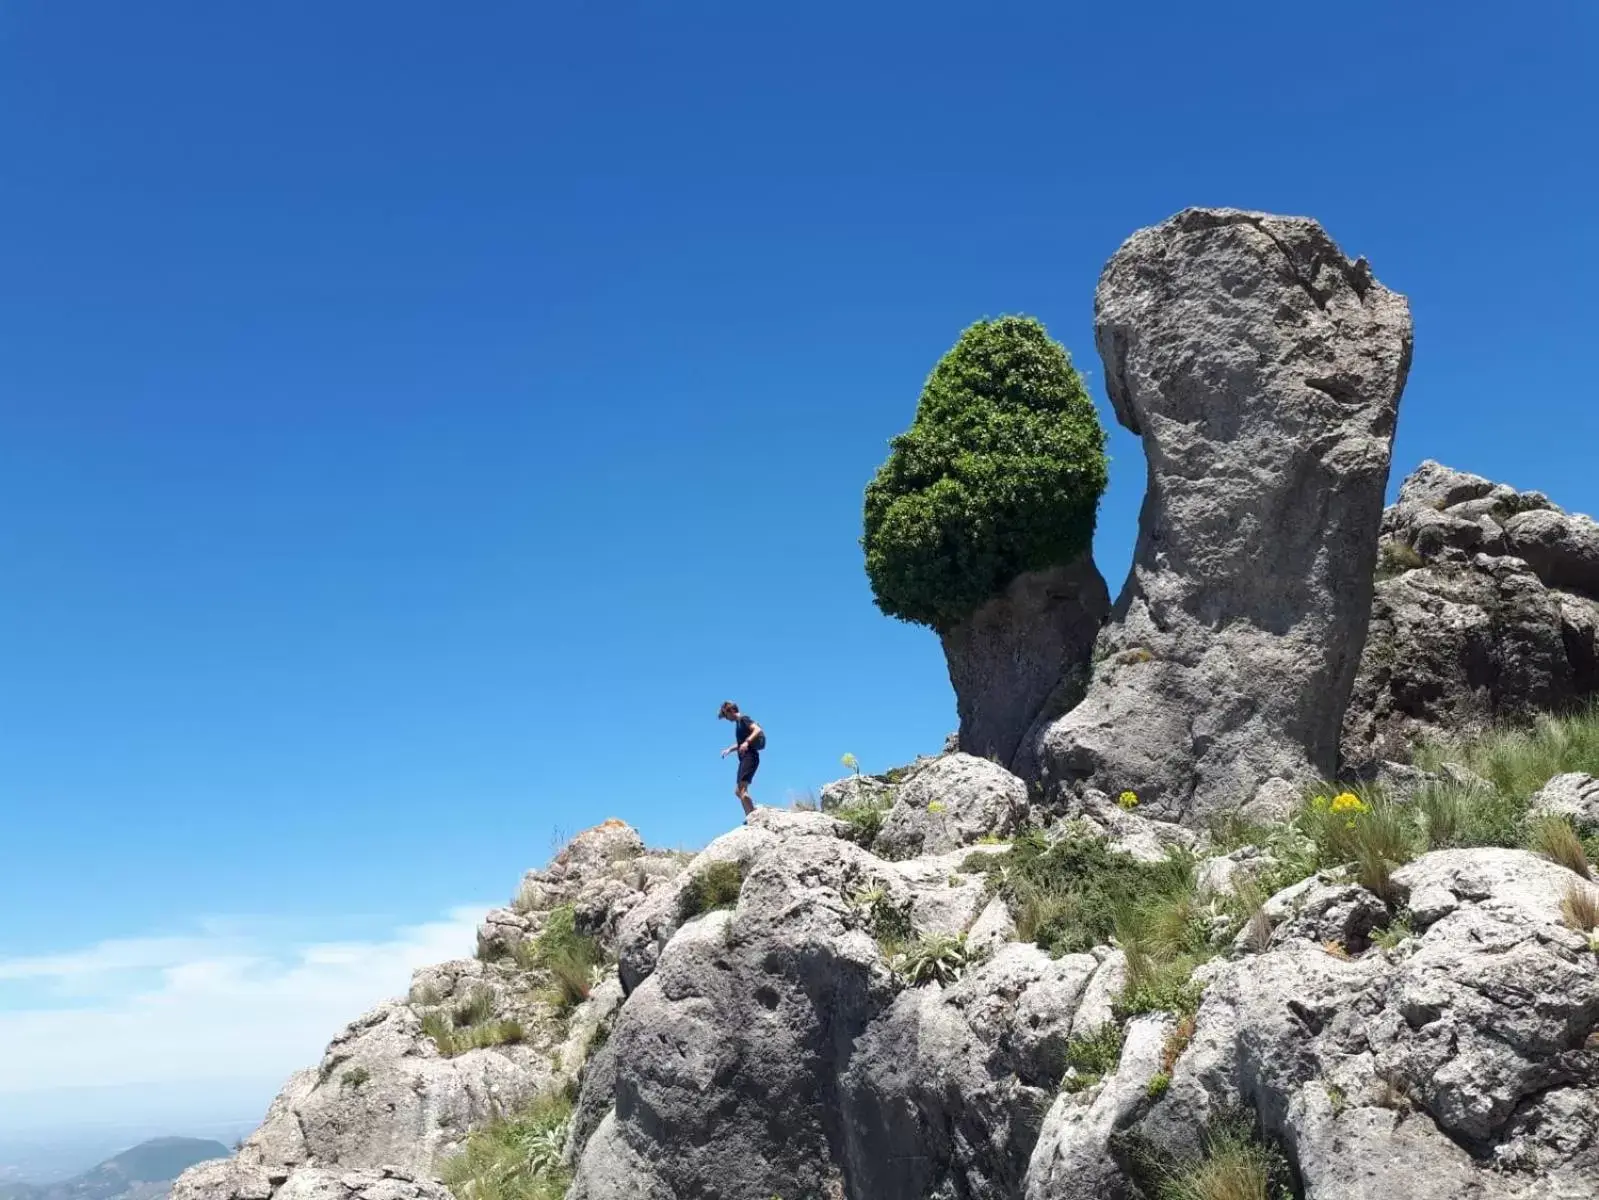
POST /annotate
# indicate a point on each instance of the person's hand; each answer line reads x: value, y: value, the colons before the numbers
x: 728, y: 751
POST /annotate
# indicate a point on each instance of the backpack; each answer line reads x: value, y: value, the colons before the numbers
x: 759, y: 743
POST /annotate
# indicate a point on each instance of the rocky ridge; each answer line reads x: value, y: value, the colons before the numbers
x: 1150, y: 947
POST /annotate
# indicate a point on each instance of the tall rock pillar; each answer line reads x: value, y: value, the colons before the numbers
x: 1263, y: 371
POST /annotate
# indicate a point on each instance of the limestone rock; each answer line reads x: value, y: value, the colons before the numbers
x: 1263, y: 370
x: 952, y: 802
x: 1024, y: 656
x: 945, y: 1091
x: 1574, y: 796
x: 227, y: 1179
x: 1487, y: 611
x: 1074, y: 1157
x: 648, y: 926
x: 1450, y: 1067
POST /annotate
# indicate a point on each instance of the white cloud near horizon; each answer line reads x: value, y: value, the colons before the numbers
x: 222, y: 1003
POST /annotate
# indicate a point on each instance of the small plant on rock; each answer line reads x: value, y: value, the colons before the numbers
x: 715, y: 885
x: 851, y: 763
x: 1092, y: 1056
x: 355, y: 1077
x: 1396, y: 932
x: 936, y: 958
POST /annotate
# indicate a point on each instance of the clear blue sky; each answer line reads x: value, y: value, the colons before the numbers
x: 415, y: 419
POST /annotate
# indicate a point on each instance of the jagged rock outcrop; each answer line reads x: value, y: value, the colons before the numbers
x: 770, y: 1050
x: 1023, y: 658
x: 388, y: 1100
x: 1461, y: 1065
x: 227, y: 1179
x: 1487, y: 611
x: 1263, y: 371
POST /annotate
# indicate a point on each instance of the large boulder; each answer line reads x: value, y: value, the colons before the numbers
x: 1023, y: 657
x: 1461, y: 1063
x: 773, y: 1050
x: 954, y: 801
x: 945, y: 1093
x: 1485, y: 611
x: 1262, y: 369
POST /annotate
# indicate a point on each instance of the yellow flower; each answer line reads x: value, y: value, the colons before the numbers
x: 1348, y: 802
x: 1128, y: 800
x: 1319, y: 804
x: 935, y: 806
x: 850, y: 761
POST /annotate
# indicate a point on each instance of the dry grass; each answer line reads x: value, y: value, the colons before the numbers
x: 1580, y: 907
x: 1234, y: 1167
x: 1176, y: 1042
x: 1555, y: 839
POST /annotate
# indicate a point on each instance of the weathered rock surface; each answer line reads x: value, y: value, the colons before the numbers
x: 954, y: 801
x: 1459, y: 1065
x: 228, y: 1179
x: 1024, y: 656
x: 1574, y: 796
x: 1263, y: 371
x: 385, y: 1104
x: 771, y: 1051
x: 1488, y: 612
x: 1074, y: 1158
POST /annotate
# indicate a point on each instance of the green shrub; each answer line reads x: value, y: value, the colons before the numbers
x: 1092, y: 1056
x: 515, y: 1158
x: 355, y: 1077
x: 865, y: 820
x: 1065, y: 894
x: 1000, y: 473
x: 715, y: 885
x: 1396, y: 932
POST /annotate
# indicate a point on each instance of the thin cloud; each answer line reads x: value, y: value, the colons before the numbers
x: 218, y: 1005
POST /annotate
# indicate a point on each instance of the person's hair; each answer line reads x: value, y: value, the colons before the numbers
x: 728, y: 710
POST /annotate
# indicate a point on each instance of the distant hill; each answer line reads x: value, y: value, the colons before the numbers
x: 142, y: 1173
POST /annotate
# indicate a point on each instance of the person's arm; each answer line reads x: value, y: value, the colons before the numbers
x: 755, y: 732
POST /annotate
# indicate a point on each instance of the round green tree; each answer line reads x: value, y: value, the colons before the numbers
x: 999, y: 474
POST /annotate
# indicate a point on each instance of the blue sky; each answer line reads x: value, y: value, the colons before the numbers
x: 415, y: 420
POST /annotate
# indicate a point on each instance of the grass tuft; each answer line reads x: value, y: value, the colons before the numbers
x: 1555, y: 839
x: 715, y: 885
x: 1580, y: 907
x: 1233, y: 1166
x: 520, y: 1157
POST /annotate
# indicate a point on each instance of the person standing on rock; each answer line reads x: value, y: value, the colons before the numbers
x: 748, y: 742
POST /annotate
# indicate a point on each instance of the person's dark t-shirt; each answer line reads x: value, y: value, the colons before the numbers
x: 745, y: 725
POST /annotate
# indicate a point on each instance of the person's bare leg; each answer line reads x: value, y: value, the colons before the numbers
x: 744, y: 798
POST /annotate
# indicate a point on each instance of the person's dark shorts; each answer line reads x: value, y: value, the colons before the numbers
x: 748, y: 763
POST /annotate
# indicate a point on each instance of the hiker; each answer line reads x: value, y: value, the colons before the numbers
x: 748, y: 743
